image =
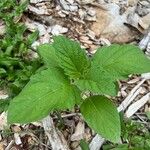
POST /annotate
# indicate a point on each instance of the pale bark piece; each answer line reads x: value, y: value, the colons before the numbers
x: 56, y: 142
x: 87, y: 1
x: 3, y: 95
x: 17, y: 139
x: 129, y: 99
x: 134, y: 92
x: 110, y: 25
x: 45, y: 39
x: 3, y: 120
x: 33, y: 26
x: 10, y: 145
x: 133, y: 19
x: 145, y: 22
x: 137, y: 105
x: 146, y: 76
x: 79, y: 132
x: 97, y: 142
x: 64, y: 4
x: 38, y: 11
x: 132, y: 2
x: 2, y: 29
x: 38, y: 1
x: 57, y: 29
x: 144, y: 42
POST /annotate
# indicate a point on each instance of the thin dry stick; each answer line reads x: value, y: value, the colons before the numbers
x: 10, y: 145
x: 134, y: 92
x: 137, y: 105
x: 97, y: 142
x: 144, y: 42
x: 56, y: 142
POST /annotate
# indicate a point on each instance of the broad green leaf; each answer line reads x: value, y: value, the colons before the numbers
x: 72, y: 58
x: 47, y: 52
x: 98, y: 82
x: 110, y: 64
x: 102, y: 116
x: 121, y: 60
x: 46, y: 91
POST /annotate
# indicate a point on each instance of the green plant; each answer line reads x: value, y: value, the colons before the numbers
x: 15, y: 45
x: 69, y: 74
x: 135, y: 136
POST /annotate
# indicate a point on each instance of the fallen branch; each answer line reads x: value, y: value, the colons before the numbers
x: 134, y: 92
x: 137, y: 105
x: 56, y: 142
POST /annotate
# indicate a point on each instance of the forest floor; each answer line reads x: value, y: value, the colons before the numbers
x: 94, y: 24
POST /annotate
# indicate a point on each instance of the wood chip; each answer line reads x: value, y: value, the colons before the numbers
x: 79, y: 132
x: 145, y: 22
x: 17, y: 139
x: 137, y: 105
x: 97, y: 142
x: 144, y: 42
x: 3, y: 120
x: 10, y: 145
x: 134, y: 92
x: 52, y: 135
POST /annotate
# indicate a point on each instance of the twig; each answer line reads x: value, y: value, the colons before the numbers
x: 10, y: 145
x: 137, y: 105
x: 97, y: 142
x: 68, y: 115
x: 144, y: 42
x: 134, y: 92
x: 56, y: 142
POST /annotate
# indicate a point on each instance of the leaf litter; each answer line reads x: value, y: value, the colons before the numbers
x: 94, y: 24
